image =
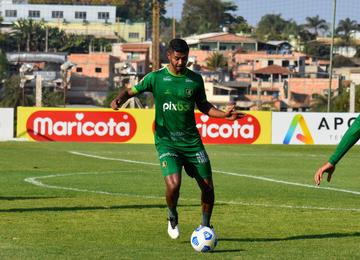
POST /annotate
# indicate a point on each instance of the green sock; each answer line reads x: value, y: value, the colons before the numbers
x: 205, y: 219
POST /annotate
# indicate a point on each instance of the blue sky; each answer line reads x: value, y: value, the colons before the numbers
x: 253, y: 10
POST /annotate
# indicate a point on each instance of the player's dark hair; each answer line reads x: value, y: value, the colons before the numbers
x: 178, y: 45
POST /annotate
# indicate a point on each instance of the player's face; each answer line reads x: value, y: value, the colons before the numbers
x: 178, y: 61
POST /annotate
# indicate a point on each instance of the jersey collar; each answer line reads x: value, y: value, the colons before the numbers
x: 175, y: 75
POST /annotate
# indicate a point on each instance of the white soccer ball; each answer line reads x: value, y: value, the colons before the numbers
x: 203, y: 239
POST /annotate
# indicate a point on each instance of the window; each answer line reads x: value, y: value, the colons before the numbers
x: 78, y: 69
x: 285, y: 63
x: 34, y: 13
x: 270, y: 62
x: 80, y: 15
x: 133, y: 35
x: 10, y: 13
x: 222, y: 47
x: 103, y: 15
x: 205, y: 47
x: 98, y: 70
x: 57, y: 14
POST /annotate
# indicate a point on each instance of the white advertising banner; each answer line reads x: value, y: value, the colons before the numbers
x: 6, y: 123
x: 310, y: 128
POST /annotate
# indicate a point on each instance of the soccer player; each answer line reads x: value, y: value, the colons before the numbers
x: 176, y: 90
x: 352, y: 135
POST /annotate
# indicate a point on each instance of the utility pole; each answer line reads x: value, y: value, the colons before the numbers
x: 155, y: 35
x: 352, y: 98
x: 331, y: 55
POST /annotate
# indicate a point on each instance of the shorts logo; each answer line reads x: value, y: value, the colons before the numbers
x: 164, y: 164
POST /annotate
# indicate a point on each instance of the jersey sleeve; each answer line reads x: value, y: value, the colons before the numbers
x: 351, y: 136
x: 200, y: 94
x: 146, y: 84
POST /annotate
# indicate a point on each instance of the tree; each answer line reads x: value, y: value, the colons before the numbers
x: 344, y: 30
x: 315, y: 24
x: 274, y: 27
x: 140, y: 10
x: 29, y: 35
x: 12, y: 96
x: 202, y: 16
x: 4, y: 67
x: 216, y: 61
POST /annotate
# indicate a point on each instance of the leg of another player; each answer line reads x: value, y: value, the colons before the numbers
x: 207, y: 199
x: 173, y: 183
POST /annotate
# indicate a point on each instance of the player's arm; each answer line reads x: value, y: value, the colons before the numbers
x: 123, y: 96
x: 229, y: 113
x: 351, y: 136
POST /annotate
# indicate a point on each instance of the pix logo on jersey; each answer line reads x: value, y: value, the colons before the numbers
x: 306, y: 137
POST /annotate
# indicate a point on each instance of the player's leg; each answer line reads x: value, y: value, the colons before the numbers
x: 207, y: 199
x: 198, y: 166
x: 173, y: 183
x: 171, y: 170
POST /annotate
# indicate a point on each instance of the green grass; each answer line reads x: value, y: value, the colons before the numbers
x: 91, y: 208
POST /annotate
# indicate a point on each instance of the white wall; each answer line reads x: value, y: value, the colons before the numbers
x: 317, y: 128
x: 6, y: 123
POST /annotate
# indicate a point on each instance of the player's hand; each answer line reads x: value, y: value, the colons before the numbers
x: 327, y: 167
x: 231, y: 113
x: 115, y: 104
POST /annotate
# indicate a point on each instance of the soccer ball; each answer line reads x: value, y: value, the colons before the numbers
x: 203, y: 239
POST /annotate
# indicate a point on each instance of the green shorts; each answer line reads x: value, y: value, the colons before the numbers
x: 196, y: 163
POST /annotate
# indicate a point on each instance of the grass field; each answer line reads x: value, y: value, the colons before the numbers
x: 92, y: 201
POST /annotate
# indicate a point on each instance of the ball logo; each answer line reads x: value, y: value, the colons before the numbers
x: 245, y: 130
x: 81, y: 126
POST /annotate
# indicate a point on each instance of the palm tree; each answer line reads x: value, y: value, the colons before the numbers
x: 13, y: 95
x: 345, y: 28
x: 316, y: 24
x: 216, y: 61
x: 29, y: 34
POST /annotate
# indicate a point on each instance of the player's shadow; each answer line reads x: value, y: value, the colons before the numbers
x: 24, y: 198
x: 301, y: 237
x: 89, y: 208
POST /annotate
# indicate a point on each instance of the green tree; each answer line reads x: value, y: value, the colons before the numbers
x: 140, y: 10
x: 28, y: 34
x: 274, y: 27
x: 52, y: 98
x: 216, y: 61
x: 314, y: 24
x: 344, y: 30
x: 201, y: 16
x: 12, y: 96
x: 4, y: 67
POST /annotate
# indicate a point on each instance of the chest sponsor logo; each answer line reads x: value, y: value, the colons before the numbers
x: 245, y: 130
x: 81, y: 126
x: 170, y: 106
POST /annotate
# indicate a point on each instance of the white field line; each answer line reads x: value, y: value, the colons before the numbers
x: 37, y: 181
x: 227, y: 173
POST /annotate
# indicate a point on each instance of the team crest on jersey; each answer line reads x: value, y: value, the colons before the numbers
x: 189, y: 92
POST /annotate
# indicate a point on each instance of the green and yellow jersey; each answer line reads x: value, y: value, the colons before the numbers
x: 175, y: 99
x: 351, y: 136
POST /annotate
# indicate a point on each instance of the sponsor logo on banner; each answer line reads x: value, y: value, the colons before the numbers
x: 222, y: 131
x: 305, y: 138
x: 81, y: 126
